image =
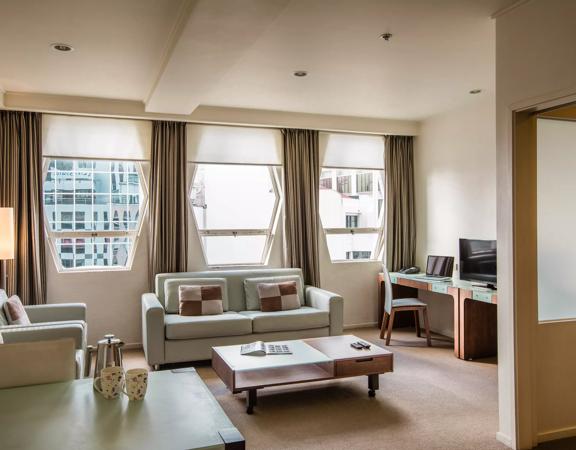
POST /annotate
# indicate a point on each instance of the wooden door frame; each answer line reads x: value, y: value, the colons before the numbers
x: 523, y: 147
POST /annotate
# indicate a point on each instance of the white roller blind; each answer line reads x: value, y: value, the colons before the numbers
x: 96, y: 137
x: 351, y: 150
x: 238, y: 145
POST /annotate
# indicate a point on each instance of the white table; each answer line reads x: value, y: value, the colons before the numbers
x: 179, y: 412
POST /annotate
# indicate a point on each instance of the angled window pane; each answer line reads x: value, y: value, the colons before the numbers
x: 90, y: 196
x: 352, y: 246
x: 225, y: 250
x: 241, y: 199
x: 347, y: 193
x: 233, y: 197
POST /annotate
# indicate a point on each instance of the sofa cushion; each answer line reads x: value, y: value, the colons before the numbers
x: 172, y: 289
x: 278, y: 296
x: 197, y: 327
x: 303, y: 318
x: 196, y: 300
x: 251, y: 289
x: 3, y: 299
x: 15, y: 312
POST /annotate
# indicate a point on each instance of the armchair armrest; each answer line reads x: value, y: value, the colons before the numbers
x: 56, y: 312
x: 327, y: 301
x: 153, y: 329
x: 45, y: 332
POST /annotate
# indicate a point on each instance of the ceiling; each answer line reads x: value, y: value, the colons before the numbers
x: 175, y: 55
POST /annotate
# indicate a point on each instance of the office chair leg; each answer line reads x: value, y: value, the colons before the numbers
x: 384, y: 325
x: 427, y: 326
x: 390, y: 325
x: 417, y: 322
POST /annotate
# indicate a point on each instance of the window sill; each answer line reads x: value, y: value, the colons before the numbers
x: 99, y: 270
x: 356, y: 261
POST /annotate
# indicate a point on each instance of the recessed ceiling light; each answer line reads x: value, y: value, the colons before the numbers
x: 386, y: 36
x: 60, y: 47
x: 300, y: 73
x: 475, y: 91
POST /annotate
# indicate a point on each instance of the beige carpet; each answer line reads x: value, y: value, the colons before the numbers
x: 432, y: 400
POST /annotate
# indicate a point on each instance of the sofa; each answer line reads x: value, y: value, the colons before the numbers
x: 171, y: 338
x: 49, y: 322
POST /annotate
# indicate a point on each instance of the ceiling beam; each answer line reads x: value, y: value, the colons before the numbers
x: 100, y: 107
x: 209, y: 37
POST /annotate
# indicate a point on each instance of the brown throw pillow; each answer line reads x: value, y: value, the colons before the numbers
x: 15, y: 312
x: 200, y: 300
x: 278, y: 296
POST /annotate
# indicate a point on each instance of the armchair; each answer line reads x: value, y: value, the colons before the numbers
x: 50, y: 322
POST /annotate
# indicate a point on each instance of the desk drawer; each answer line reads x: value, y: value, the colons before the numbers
x: 363, y: 366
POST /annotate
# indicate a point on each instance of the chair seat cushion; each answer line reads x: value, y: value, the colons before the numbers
x: 399, y: 302
x: 303, y: 318
x: 197, y: 327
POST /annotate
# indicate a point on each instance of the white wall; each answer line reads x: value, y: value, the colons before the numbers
x: 535, y: 62
x: 455, y: 178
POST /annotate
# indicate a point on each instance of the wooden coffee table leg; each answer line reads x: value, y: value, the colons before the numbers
x: 251, y: 399
x: 373, y: 384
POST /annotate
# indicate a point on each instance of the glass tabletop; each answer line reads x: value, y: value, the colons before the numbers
x: 302, y: 354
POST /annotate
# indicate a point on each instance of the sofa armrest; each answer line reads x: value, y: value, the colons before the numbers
x: 153, y: 329
x: 327, y: 301
x: 46, y: 332
x: 56, y: 312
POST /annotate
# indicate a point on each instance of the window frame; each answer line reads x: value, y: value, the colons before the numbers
x: 269, y: 232
x: 52, y: 236
x: 378, y: 249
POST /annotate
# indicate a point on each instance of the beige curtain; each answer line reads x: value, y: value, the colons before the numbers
x: 168, y: 200
x: 301, y: 191
x: 21, y: 189
x: 400, y: 212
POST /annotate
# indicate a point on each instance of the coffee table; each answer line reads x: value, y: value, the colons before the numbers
x: 313, y: 359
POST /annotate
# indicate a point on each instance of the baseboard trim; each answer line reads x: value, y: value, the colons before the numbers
x: 361, y: 325
x: 504, y: 439
x: 560, y: 433
x: 133, y: 346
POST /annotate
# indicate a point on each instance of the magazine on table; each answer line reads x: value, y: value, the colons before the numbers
x: 260, y: 348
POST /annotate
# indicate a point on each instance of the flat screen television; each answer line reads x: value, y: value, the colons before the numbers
x: 478, y: 260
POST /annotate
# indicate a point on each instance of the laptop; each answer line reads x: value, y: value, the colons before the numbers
x: 439, y: 266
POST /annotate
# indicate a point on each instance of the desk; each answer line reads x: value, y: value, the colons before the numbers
x: 179, y: 412
x: 474, y: 310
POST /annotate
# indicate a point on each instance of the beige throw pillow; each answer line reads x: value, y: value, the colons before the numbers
x: 278, y: 296
x: 15, y: 312
x: 200, y: 300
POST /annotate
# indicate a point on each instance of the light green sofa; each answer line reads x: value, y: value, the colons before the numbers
x: 170, y: 338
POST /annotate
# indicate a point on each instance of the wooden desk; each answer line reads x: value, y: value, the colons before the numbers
x: 474, y: 311
x: 179, y: 412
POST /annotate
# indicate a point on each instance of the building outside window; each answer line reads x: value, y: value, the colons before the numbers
x: 353, y: 222
x: 236, y: 210
x: 358, y: 255
x: 343, y: 184
x: 79, y: 198
x: 364, y: 182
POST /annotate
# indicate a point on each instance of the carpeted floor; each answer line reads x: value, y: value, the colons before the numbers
x: 432, y: 400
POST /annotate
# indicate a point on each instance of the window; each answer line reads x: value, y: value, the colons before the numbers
x: 80, y: 196
x: 364, y: 182
x: 236, y: 209
x: 343, y: 184
x: 352, y: 222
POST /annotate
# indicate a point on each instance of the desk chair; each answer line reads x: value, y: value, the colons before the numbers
x: 393, y: 305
